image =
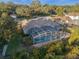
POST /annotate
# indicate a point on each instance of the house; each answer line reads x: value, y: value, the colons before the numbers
x: 13, y: 16
x: 62, y: 19
x: 43, y: 30
x: 74, y: 17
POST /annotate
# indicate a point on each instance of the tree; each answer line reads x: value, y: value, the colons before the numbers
x: 4, y: 15
x: 36, y: 2
x: 23, y: 11
x: 73, y: 53
x: 59, y: 11
x: 74, y: 35
x: 36, y: 8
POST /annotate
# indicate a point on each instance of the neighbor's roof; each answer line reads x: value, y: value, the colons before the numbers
x: 73, y: 14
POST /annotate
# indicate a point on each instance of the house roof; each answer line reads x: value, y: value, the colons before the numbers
x: 43, y: 29
x: 38, y: 22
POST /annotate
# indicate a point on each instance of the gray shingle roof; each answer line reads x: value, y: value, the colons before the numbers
x: 43, y: 29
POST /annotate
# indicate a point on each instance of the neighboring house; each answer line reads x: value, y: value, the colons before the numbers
x: 43, y: 29
x: 13, y: 16
x: 62, y: 19
x: 74, y: 17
